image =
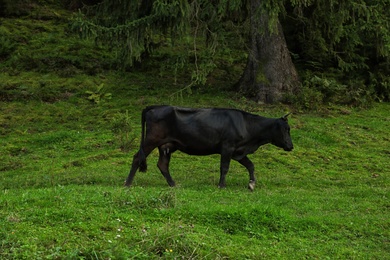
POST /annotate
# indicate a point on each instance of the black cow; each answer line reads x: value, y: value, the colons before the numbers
x: 229, y: 132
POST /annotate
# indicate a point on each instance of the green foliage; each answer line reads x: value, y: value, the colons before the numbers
x: 319, y: 91
x: 360, y: 95
x: 174, y: 64
x: 99, y: 94
x: 350, y: 37
x: 121, y: 128
x: 380, y: 82
x: 326, y: 36
x: 306, y: 99
x: 331, y: 90
x: 16, y: 7
x: 128, y: 27
x: 7, y: 46
x: 342, y: 34
x: 47, y: 46
x: 131, y: 28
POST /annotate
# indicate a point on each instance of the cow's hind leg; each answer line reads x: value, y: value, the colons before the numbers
x: 247, y: 163
x: 163, y: 162
x: 134, y: 167
x: 138, y: 163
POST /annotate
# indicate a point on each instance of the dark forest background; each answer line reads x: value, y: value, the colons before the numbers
x: 306, y: 53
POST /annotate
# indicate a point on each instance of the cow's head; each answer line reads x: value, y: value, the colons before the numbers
x: 282, y: 136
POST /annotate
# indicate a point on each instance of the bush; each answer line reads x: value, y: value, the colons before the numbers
x: 381, y: 84
x: 306, y: 99
x: 318, y: 91
x: 359, y: 95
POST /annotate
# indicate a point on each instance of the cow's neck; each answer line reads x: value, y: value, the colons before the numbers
x: 263, y: 130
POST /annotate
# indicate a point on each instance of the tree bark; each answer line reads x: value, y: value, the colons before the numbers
x: 269, y: 72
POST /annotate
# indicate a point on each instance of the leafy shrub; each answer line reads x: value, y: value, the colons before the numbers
x: 360, y: 95
x: 317, y: 92
x: 98, y: 95
x: 381, y: 84
x: 329, y: 87
x: 308, y: 98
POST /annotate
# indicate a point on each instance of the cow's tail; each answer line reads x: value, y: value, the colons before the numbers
x: 141, y: 155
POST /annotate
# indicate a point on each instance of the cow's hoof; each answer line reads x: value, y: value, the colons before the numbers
x: 251, y: 185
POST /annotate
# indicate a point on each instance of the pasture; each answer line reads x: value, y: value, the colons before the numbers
x: 62, y: 174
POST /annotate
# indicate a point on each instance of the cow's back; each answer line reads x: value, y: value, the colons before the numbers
x: 195, y: 131
x: 209, y: 121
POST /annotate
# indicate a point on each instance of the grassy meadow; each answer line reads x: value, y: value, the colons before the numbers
x: 62, y: 193
x: 68, y: 131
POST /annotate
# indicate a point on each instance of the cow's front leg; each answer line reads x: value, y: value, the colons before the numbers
x: 247, y: 163
x: 224, y: 168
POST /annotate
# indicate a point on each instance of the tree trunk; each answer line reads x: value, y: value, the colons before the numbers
x: 269, y: 71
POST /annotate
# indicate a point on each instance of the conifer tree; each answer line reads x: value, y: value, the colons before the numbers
x: 269, y: 72
x: 349, y: 38
x: 130, y: 24
x: 346, y: 41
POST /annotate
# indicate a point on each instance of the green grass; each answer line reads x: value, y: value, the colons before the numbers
x: 62, y: 171
x: 62, y: 195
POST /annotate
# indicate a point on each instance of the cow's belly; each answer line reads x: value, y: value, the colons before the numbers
x: 209, y: 141
x: 196, y: 146
x: 198, y: 150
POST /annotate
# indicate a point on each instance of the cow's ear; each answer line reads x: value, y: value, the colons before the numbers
x: 285, y: 116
